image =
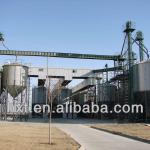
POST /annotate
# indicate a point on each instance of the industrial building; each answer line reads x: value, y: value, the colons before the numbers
x: 127, y: 82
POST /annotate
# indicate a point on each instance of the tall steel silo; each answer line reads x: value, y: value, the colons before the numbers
x: 39, y: 95
x: 141, y: 88
x: 14, y: 78
x: 141, y: 76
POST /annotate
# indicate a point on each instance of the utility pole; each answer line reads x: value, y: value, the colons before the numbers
x: 49, y: 102
x: 50, y: 113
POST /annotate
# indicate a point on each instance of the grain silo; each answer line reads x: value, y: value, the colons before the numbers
x: 14, y: 78
x: 39, y: 95
x: 14, y: 83
x: 141, y: 87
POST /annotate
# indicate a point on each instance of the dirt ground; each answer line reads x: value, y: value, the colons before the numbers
x: 137, y: 130
x: 33, y: 136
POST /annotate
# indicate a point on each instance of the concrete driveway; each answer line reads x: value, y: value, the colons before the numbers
x: 92, y: 139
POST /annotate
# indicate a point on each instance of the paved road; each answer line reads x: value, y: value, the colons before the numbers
x: 92, y: 139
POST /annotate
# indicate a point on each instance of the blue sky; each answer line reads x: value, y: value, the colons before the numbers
x: 80, y: 26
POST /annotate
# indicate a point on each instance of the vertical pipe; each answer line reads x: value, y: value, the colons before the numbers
x: 6, y: 101
x: 141, y: 50
x: 106, y: 66
x: 140, y: 38
x: 114, y: 67
x: 130, y: 54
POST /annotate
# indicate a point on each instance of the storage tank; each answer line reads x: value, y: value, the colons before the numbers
x: 14, y: 78
x: 141, y: 76
x: 141, y: 87
x: 39, y: 95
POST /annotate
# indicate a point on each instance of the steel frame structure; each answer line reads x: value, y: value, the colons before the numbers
x: 61, y: 55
